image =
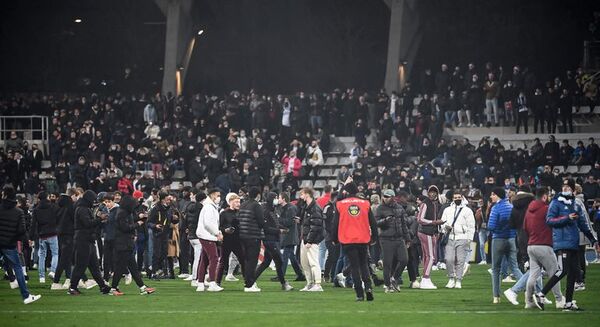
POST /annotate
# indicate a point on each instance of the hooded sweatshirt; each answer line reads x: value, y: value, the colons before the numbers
x: 85, y: 221
x: 520, y: 203
x: 44, y: 220
x: 208, y: 222
x: 464, y: 227
x: 535, y: 226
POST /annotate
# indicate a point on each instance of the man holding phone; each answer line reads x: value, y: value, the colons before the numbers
x: 566, y: 219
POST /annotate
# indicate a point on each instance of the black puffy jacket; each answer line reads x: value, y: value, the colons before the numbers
x: 66, y: 215
x: 44, y: 220
x: 252, y: 220
x: 12, y: 224
x: 313, y: 230
x: 192, y: 213
x: 125, y: 226
x: 85, y: 222
x: 391, y: 221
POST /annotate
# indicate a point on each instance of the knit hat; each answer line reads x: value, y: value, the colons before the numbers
x: 351, y: 188
x: 137, y: 194
x: 89, y: 196
x: 389, y: 193
x: 500, y: 192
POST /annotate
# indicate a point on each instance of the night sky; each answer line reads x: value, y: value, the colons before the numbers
x: 276, y: 45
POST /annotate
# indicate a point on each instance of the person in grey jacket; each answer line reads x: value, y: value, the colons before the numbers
x: 393, y: 237
x: 289, y: 236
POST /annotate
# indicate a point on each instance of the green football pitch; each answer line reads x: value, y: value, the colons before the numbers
x: 176, y: 303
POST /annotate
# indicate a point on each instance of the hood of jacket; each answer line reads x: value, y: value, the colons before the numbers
x: 63, y: 201
x: 521, y: 200
x: 88, y: 198
x: 44, y: 204
x: 536, y: 205
x: 9, y: 204
x: 128, y: 203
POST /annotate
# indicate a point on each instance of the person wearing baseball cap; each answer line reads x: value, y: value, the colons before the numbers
x: 566, y: 219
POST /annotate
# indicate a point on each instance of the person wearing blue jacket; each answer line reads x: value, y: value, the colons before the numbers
x: 566, y: 219
x: 503, y: 239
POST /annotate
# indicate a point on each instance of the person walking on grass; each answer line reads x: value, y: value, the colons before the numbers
x: 209, y: 234
x: 124, y: 261
x: 311, y: 234
x: 566, y: 219
x: 251, y: 222
x: 13, y: 229
x: 428, y: 231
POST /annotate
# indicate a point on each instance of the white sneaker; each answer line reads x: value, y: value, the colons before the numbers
x: 90, y: 284
x: 458, y: 284
x: 482, y: 262
x: 341, y: 279
x: 415, y: 284
x: 508, y: 279
x: 286, y: 287
x: 496, y: 300
x: 547, y: 301
x: 442, y: 266
x: 231, y: 278
x: 466, y: 268
x: 194, y: 283
x: 51, y: 275
x: 128, y: 279
x: 491, y: 271
x: 81, y: 284
x: 67, y: 284
x: 200, y: 287
x: 511, y: 296
x: 426, y: 284
x: 213, y: 287
x: 42, y: 280
x: 189, y: 278
x: 253, y: 289
x: 560, y: 304
x: 434, y: 268
x: 316, y: 288
x: 183, y: 276
x: 307, y: 288
x: 57, y: 286
x: 14, y: 284
x: 31, y: 299
x: 451, y: 283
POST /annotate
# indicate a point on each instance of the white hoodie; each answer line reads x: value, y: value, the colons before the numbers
x: 464, y: 227
x: 208, y: 222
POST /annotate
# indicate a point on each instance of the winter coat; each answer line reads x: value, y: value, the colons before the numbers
x: 192, y: 213
x: 565, y: 231
x: 125, y: 225
x: 208, y: 222
x: 12, y: 224
x: 251, y: 219
x: 391, y: 221
x: 313, y: 231
x: 66, y: 215
x: 582, y: 239
x: 464, y: 226
x: 286, y: 219
x: 499, y: 220
x: 44, y: 220
x: 520, y: 203
x: 85, y: 221
x: 535, y: 226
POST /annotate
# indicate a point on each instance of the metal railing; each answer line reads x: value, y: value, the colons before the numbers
x: 33, y: 129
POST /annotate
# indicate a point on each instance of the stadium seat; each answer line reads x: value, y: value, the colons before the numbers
x: 331, y: 161
x: 175, y: 186
x: 188, y: 184
x: 585, y: 169
x: 345, y: 161
x: 333, y: 183
x: 46, y: 164
x: 306, y: 183
x: 179, y: 174
x: 320, y: 184
x: 326, y: 172
x: 572, y: 170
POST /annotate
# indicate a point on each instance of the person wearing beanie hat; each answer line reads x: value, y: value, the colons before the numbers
x: 566, y: 218
x: 85, y: 235
x: 504, y: 245
x: 13, y: 229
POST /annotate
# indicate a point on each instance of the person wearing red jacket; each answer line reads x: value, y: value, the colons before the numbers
x: 539, y: 247
x: 355, y: 227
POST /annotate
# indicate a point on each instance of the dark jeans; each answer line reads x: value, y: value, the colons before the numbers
x: 567, y: 119
x: 140, y: 249
x: 11, y: 258
x: 228, y: 248
x: 123, y: 262
x: 290, y: 254
x: 184, y: 253
x: 251, y: 248
x: 85, y: 258
x: 333, y: 253
x: 568, y: 264
x: 413, y: 262
x: 538, y: 120
x: 272, y: 253
x: 359, y: 266
x: 522, y: 119
x: 581, y: 253
x: 159, y: 253
x: 65, y: 258
x: 108, y: 262
x: 395, y: 258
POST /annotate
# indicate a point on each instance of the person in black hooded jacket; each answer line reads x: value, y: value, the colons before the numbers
x: 65, y: 232
x: 271, y: 242
x: 520, y: 203
x: 125, y: 230
x: 43, y: 230
x: 85, y: 235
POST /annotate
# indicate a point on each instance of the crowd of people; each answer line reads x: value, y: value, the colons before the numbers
x: 106, y: 202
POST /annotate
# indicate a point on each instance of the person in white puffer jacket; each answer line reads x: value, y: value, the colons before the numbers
x: 459, y: 229
x: 209, y: 234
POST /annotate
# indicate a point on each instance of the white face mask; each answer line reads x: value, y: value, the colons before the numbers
x: 275, y: 202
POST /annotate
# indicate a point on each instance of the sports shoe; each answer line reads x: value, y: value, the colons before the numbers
x: 128, y: 279
x: 508, y: 279
x: 189, y: 278
x: 511, y: 296
x: 442, y: 266
x: 194, y: 283
x: 32, y: 298
x: 81, y: 284
x: 14, y: 284
x: 482, y: 262
x: 253, y: 289
x: 466, y: 268
x: 73, y: 291
x: 388, y: 289
x: 560, y: 304
x: 200, y: 287
x: 547, y: 301
x: 415, y: 284
x: 426, y: 284
x: 458, y: 284
x: 42, y: 280
x: 105, y: 290
x: 286, y: 287
x: 571, y: 307
x: 538, y: 299
x: 341, y: 279
x: 369, y: 294
x: 90, y: 283
x: 57, y: 286
x: 316, y: 288
x: 213, y: 287
x: 67, y: 284
x: 434, y: 268
x: 144, y: 290
x: 491, y: 271
x: 306, y: 288
x: 51, y: 275
x: 496, y: 300
x: 360, y: 299
x: 394, y: 285
x: 530, y: 306
x: 183, y: 276
x: 579, y: 287
x: 115, y: 292
x: 451, y: 283
x: 231, y: 278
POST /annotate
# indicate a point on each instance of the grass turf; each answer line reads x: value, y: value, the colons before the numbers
x: 175, y: 302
